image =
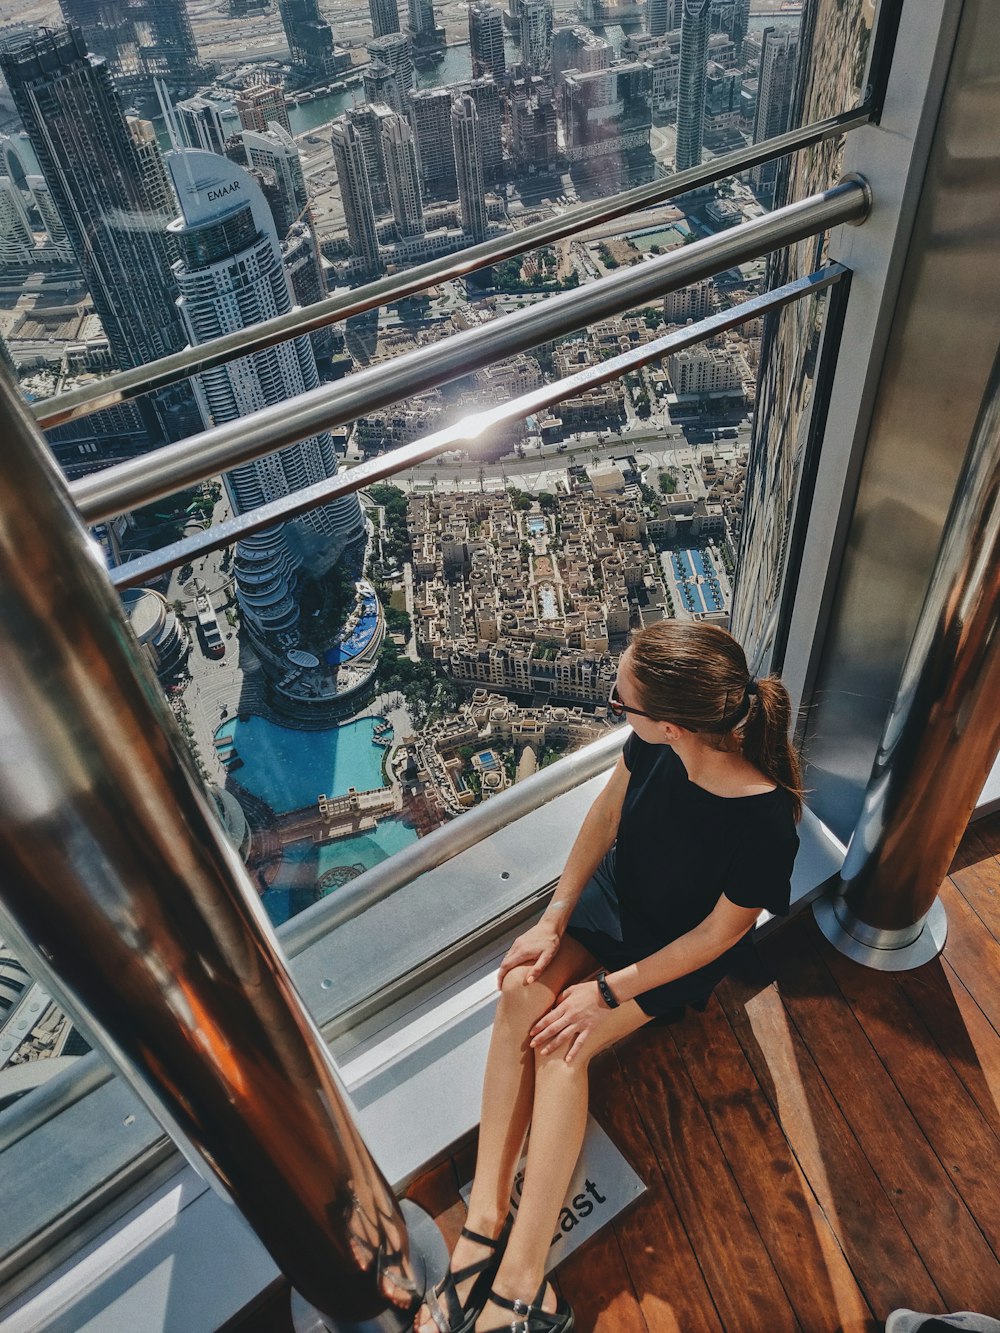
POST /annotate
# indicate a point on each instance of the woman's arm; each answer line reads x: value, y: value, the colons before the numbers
x: 536, y: 947
x: 722, y: 928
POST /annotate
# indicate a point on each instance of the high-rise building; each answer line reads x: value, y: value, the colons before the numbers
x: 92, y: 169
x: 534, y: 126
x: 275, y: 150
x: 695, y: 24
x: 384, y: 87
x: 536, y: 35
x: 393, y: 50
x: 660, y: 16
x: 399, y: 150
x: 368, y: 121
x: 469, y: 164
x: 142, y: 40
x: 352, y: 176
x: 310, y: 37
x: 58, y: 235
x: 740, y: 25
x: 775, y: 94
x: 421, y: 23
x: 199, y: 122
x: 486, y: 95
x: 17, y: 240
x: 261, y: 105
x: 230, y: 275
x: 275, y: 153
x: 385, y: 16
x: 430, y: 114
x: 486, y: 40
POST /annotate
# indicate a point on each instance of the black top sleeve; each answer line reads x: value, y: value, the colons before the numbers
x: 762, y: 874
x: 630, y: 751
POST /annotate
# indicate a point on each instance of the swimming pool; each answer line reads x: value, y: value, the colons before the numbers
x: 289, y: 769
x: 305, y: 866
x: 536, y: 526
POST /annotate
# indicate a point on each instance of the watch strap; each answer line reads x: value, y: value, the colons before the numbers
x: 607, y: 994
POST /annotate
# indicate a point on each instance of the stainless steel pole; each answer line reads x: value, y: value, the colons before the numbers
x: 941, y: 737
x: 124, y: 899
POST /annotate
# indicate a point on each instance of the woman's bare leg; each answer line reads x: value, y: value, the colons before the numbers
x: 508, y: 1092
x: 558, y: 1122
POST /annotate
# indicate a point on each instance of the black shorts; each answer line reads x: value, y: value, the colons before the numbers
x: 596, y: 924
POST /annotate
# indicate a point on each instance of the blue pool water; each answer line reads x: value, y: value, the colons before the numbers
x: 303, y: 866
x: 360, y: 637
x: 290, y: 769
x: 536, y: 526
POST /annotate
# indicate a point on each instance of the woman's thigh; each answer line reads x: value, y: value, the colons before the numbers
x: 529, y: 1001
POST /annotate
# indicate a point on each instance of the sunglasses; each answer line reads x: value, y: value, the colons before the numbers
x: 618, y: 709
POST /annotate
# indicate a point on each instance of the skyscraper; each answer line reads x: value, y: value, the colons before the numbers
x: 420, y: 20
x: 659, y: 17
x: 486, y: 40
x: 400, y: 152
x: 430, y: 113
x: 775, y: 93
x: 695, y: 22
x: 368, y: 121
x: 17, y: 241
x: 536, y: 34
x: 275, y: 152
x: 92, y: 169
x: 142, y: 40
x: 469, y: 164
x: 199, y: 120
x: 486, y: 95
x: 740, y: 24
x: 384, y: 87
x: 352, y: 176
x: 385, y: 16
x: 393, y: 51
x: 260, y: 105
x: 310, y: 37
x: 230, y: 275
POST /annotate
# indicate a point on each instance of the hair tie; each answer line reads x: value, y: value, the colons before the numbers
x: 752, y: 685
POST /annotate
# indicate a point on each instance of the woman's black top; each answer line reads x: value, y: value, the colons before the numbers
x: 679, y: 848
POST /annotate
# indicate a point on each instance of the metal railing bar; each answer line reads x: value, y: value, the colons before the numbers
x: 151, y: 476
x: 467, y: 432
x: 179, y: 366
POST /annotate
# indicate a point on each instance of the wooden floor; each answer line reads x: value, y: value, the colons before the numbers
x: 818, y: 1149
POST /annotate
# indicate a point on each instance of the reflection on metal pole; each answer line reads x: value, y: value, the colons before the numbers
x: 941, y: 737
x: 123, y: 897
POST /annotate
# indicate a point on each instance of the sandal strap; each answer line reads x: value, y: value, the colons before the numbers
x: 530, y: 1318
x: 491, y: 1241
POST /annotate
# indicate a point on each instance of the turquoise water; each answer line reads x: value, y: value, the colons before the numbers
x: 303, y: 865
x: 290, y: 769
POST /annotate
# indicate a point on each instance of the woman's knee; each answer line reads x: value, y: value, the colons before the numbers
x: 520, y: 997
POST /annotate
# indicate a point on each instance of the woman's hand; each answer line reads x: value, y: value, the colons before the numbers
x: 535, y: 949
x: 578, y: 1012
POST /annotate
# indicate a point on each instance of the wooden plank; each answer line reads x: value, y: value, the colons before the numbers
x: 972, y: 848
x: 805, y: 1253
x: 987, y: 833
x: 966, y: 1146
x: 961, y: 1029
x: 670, y: 1289
x: 596, y: 1282
x: 964, y: 1268
x: 740, y: 1275
x: 972, y: 952
x: 882, y: 1257
x: 979, y: 884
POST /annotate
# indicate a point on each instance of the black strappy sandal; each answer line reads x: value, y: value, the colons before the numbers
x: 532, y: 1318
x: 447, y: 1311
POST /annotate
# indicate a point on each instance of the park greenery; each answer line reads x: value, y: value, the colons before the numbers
x: 668, y: 483
x: 395, y: 534
x: 429, y: 695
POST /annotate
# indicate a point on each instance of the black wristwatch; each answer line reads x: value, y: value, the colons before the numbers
x: 607, y: 994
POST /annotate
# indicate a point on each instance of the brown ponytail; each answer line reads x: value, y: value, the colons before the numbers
x: 696, y: 675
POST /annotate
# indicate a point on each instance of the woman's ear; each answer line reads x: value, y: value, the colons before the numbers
x: 671, y: 732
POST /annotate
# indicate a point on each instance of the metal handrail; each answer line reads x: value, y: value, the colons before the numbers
x: 179, y: 366
x: 467, y: 433
x: 151, y: 476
